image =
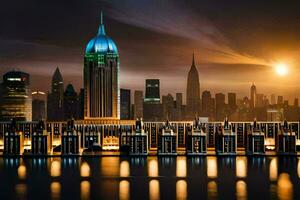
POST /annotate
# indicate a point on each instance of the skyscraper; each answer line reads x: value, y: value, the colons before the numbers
x: 138, y: 104
x: 232, y: 101
x: 253, y: 96
x: 101, y: 77
x: 220, y: 106
x: 193, y: 92
x: 15, y: 97
x: 125, y: 104
x: 71, y: 103
x: 55, y: 99
x: 152, y: 91
x: 38, y: 106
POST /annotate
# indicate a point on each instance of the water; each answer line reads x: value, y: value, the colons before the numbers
x: 150, y: 178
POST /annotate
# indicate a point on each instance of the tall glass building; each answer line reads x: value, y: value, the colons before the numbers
x: 152, y: 91
x: 101, y: 77
x: 15, y: 97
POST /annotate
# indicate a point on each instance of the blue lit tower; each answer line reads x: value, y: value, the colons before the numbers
x: 101, y: 77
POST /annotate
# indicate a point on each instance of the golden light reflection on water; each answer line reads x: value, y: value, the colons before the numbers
x: 85, y: 188
x: 110, y: 166
x: 55, y: 169
x: 152, y: 167
x: 22, y: 172
x: 273, y: 169
x: 181, y: 170
x: 241, y: 190
x: 55, y: 190
x: 181, y: 190
x: 154, y: 191
x: 298, y: 168
x: 212, y: 190
x: 85, y: 170
x: 124, y: 190
x: 124, y: 169
x: 284, y: 187
x: 21, y: 191
x: 212, y: 167
x: 241, y: 167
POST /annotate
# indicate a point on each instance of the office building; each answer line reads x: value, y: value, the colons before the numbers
x: 101, y: 77
x: 138, y: 104
x: 220, y: 106
x: 15, y: 97
x: 152, y: 89
x: 71, y: 103
x: 38, y: 106
x: 125, y: 104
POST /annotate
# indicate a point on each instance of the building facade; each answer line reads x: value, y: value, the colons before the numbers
x: 101, y: 77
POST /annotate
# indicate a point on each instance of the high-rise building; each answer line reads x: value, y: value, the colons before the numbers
x: 168, y: 107
x: 253, y: 96
x: 55, y: 99
x: 220, y: 106
x: 206, y: 104
x: 101, y: 77
x: 152, y: 91
x: 232, y: 102
x: 38, y: 106
x: 193, y: 92
x: 138, y: 104
x: 273, y: 99
x: 125, y: 104
x: 178, y: 114
x: 296, y: 102
x: 280, y: 100
x: 15, y: 97
x: 259, y: 101
x: 71, y: 103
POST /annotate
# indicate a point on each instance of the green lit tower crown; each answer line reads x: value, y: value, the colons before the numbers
x: 101, y: 77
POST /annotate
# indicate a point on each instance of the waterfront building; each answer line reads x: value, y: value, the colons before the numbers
x: 13, y: 140
x: 125, y: 104
x: 101, y: 77
x: 193, y: 92
x: 15, y: 97
x: 226, y: 139
x: 255, y: 140
x: 286, y: 142
x: 70, y: 140
x: 138, y: 140
x: 167, y: 141
x: 196, y: 139
x: 55, y: 99
x: 40, y: 140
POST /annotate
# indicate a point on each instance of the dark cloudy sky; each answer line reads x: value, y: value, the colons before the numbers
x: 235, y: 42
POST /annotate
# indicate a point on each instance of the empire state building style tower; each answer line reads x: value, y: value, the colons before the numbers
x: 193, y: 92
x: 101, y: 77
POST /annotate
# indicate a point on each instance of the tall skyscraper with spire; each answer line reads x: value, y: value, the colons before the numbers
x: 253, y: 96
x: 193, y: 92
x: 55, y: 110
x: 101, y: 77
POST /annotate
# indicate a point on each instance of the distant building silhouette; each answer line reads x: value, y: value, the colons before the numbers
x: 220, y: 106
x: 15, y: 97
x: 152, y: 91
x: 55, y: 99
x: 138, y: 104
x: 38, y: 106
x: 193, y: 92
x: 125, y: 104
x: 71, y: 103
x: 253, y: 96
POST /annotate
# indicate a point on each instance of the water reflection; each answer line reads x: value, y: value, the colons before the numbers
x: 124, y: 169
x: 152, y: 167
x: 21, y: 191
x: 181, y: 166
x: 110, y: 166
x: 241, y: 167
x: 273, y: 171
x: 55, y: 190
x: 85, y: 190
x: 181, y: 190
x: 154, y: 192
x: 22, y: 172
x: 55, y: 168
x: 124, y: 190
x: 212, y: 190
x: 285, y: 187
x: 241, y: 190
x: 212, y: 167
x: 85, y: 170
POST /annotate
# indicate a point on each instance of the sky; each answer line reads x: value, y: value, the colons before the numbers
x: 235, y: 42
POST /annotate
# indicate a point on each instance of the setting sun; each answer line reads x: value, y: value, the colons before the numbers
x: 281, y: 69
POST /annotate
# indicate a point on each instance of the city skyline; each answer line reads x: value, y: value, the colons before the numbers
x: 200, y: 33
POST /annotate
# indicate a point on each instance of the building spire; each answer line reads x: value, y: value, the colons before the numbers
x: 101, y: 30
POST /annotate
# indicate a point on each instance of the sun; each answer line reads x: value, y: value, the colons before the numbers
x: 281, y: 69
